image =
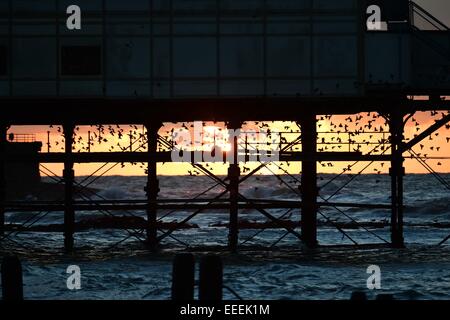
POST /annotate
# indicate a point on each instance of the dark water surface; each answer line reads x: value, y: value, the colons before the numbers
x: 128, y: 271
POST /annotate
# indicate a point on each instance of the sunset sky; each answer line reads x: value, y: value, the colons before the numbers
x: 330, y: 130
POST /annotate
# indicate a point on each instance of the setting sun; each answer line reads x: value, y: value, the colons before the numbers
x: 216, y: 137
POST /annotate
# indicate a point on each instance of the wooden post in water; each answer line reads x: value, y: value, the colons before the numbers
x: 211, y: 279
x: 234, y: 173
x: 3, y: 132
x: 12, y: 279
x: 183, y: 277
x: 308, y: 188
x: 152, y: 188
x: 69, y: 180
x: 397, y: 172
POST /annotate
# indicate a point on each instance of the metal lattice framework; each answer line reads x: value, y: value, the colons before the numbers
x: 157, y: 148
x: 321, y: 84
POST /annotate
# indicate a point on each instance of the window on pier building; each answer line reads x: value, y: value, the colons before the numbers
x: 81, y: 60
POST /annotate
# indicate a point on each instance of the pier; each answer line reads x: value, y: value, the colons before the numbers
x: 394, y: 101
x: 307, y: 204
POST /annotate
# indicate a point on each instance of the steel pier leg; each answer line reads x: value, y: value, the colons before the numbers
x: 234, y: 173
x: 3, y: 132
x: 152, y: 188
x: 69, y: 177
x: 308, y: 186
x: 397, y: 172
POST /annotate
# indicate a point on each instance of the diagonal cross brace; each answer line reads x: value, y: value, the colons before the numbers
x: 271, y: 217
x: 262, y: 211
x: 187, y: 219
x: 436, y: 126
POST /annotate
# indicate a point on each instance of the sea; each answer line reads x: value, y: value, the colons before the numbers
x: 270, y: 264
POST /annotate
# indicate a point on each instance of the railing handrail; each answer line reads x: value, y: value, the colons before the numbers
x: 421, y: 11
x: 21, y: 137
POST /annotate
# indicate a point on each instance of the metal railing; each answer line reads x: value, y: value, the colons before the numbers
x: 21, y: 137
x: 279, y: 140
x: 423, y: 20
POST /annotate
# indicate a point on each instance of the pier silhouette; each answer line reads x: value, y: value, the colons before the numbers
x: 340, y: 73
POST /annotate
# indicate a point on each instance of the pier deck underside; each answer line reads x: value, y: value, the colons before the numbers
x: 38, y: 110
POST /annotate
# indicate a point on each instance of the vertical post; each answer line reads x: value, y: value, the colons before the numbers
x: 48, y: 141
x: 183, y: 277
x: 211, y: 279
x: 69, y: 177
x: 308, y: 188
x: 12, y: 279
x: 131, y: 141
x: 152, y: 188
x: 3, y: 132
x: 397, y: 172
x: 234, y: 173
x: 89, y: 141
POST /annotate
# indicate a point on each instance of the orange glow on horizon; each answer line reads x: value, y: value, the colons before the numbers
x: 331, y: 130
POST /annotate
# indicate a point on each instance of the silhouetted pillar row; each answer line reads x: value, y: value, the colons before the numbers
x: 69, y: 180
x: 397, y: 172
x: 3, y: 132
x: 308, y: 188
x: 234, y: 173
x: 152, y: 188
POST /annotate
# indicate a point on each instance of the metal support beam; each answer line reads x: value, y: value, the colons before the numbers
x: 91, y: 111
x: 426, y: 133
x: 69, y: 177
x: 166, y: 156
x: 3, y: 131
x: 152, y: 188
x: 234, y: 173
x: 177, y: 204
x: 308, y: 188
x: 397, y: 172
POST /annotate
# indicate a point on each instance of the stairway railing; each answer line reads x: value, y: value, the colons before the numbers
x: 417, y: 12
x: 434, y: 24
